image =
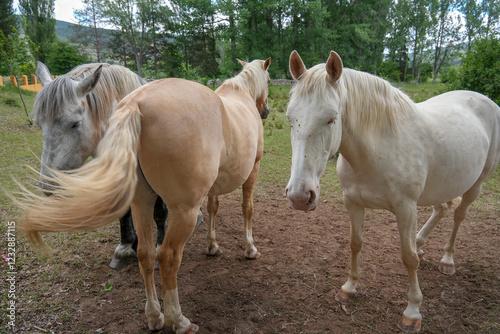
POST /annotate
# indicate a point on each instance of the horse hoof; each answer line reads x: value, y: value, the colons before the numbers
x: 446, y: 268
x: 255, y: 256
x: 158, y: 324
x: 344, y: 298
x: 190, y: 330
x: 420, y: 254
x: 118, y: 263
x: 408, y: 325
x: 217, y: 252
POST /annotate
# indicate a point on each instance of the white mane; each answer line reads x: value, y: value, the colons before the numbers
x: 367, y: 103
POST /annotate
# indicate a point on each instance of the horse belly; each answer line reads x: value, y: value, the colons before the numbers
x: 235, y: 171
x: 456, y: 163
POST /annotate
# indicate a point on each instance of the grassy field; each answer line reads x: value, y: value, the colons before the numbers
x: 21, y: 146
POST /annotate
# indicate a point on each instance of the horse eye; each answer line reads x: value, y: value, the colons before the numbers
x: 332, y: 120
x: 75, y: 125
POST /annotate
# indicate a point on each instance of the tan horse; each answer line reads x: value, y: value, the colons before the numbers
x: 176, y: 139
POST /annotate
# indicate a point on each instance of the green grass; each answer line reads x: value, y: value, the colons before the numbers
x: 422, y: 92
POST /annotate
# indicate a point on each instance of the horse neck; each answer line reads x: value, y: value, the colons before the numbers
x: 228, y: 91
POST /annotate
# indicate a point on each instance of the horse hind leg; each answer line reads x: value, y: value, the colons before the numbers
x: 438, y: 213
x: 180, y: 228
x: 212, y: 208
x: 447, y: 264
x: 125, y: 252
x: 247, y: 207
x: 142, y: 212
x: 161, y: 216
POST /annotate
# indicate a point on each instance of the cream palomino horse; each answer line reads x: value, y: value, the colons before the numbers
x: 175, y: 139
x: 72, y: 111
x: 394, y: 155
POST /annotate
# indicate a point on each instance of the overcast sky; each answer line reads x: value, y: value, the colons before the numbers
x: 63, y: 9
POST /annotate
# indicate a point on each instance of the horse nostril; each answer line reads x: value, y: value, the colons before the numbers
x: 312, y: 197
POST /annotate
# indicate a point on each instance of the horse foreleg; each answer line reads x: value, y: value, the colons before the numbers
x: 438, y: 212
x: 212, y: 208
x: 447, y: 264
x: 356, y: 216
x: 142, y: 211
x: 406, y: 216
x: 125, y: 251
x: 180, y: 227
x: 247, y: 206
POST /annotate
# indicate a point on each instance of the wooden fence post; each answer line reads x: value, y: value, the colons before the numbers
x: 13, y: 81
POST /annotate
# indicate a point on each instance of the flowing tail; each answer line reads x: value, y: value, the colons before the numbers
x: 95, y: 194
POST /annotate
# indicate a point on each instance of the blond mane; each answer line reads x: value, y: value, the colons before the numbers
x: 367, y: 103
x: 252, y: 78
x: 114, y: 83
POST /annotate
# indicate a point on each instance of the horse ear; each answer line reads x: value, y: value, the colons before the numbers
x: 88, y: 83
x: 43, y: 73
x: 297, y: 67
x: 334, y: 66
x: 267, y: 62
x: 243, y: 63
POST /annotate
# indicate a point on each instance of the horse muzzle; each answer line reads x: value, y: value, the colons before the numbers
x: 46, y: 186
x: 265, y: 113
x: 302, y: 200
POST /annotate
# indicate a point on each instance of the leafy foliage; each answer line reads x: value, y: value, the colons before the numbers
x: 62, y: 57
x: 39, y: 25
x: 480, y: 70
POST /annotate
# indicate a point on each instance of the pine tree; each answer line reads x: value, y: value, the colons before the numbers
x: 39, y: 25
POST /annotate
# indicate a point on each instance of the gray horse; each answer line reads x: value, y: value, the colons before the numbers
x: 72, y: 111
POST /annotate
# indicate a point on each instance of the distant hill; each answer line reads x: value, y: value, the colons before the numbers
x: 63, y: 30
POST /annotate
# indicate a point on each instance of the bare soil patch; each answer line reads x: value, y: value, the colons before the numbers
x: 290, y: 289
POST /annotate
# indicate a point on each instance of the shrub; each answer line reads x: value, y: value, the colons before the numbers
x: 480, y: 70
x: 389, y: 70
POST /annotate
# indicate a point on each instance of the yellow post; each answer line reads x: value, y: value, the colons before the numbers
x: 13, y: 81
x: 24, y: 79
x: 1, y: 81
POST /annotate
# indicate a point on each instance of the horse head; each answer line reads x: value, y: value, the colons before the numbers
x: 61, y: 111
x: 314, y: 113
x: 262, y: 95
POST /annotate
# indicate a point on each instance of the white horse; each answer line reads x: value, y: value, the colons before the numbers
x: 394, y: 155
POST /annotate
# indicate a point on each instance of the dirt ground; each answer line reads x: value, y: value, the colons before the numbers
x: 290, y: 289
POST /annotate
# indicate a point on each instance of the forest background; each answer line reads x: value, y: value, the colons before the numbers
x: 401, y: 40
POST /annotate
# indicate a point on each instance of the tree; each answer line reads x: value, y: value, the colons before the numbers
x: 8, y: 20
x: 8, y: 23
x: 358, y: 30
x: 421, y: 19
x: 473, y: 19
x: 192, y: 27
x: 480, y: 69
x: 132, y: 19
x: 491, y: 8
x: 399, y: 36
x: 39, y: 25
x: 14, y: 51
x: 63, y: 57
x: 445, y: 34
x: 90, y: 30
